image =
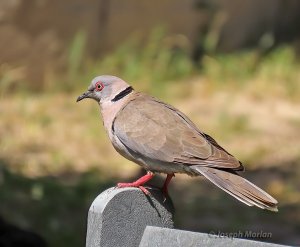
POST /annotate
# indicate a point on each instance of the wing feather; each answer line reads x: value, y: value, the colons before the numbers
x: 160, y: 132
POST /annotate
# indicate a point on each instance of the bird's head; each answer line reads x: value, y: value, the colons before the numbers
x: 106, y: 88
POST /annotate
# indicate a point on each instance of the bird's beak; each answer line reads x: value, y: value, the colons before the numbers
x: 87, y: 94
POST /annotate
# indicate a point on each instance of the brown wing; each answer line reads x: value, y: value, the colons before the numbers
x: 160, y: 132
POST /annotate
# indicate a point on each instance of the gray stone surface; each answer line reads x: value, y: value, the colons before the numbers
x: 118, y: 217
x: 157, y: 237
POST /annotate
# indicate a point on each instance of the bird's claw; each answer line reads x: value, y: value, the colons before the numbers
x: 146, y: 192
x: 133, y: 185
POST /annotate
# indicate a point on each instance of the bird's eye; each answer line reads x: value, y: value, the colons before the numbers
x: 99, y: 86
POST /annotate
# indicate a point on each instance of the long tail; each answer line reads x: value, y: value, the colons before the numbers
x: 238, y: 187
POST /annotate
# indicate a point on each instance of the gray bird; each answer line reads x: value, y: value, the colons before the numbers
x: 162, y: 139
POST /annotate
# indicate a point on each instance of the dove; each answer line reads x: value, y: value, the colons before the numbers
x: 162, y: 139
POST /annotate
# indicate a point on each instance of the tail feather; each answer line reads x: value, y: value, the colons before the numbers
x: 238, y: 187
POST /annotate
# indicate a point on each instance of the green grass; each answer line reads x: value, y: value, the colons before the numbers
x: 159, y: 62
x: 155, y: 63
x: 278, y: 73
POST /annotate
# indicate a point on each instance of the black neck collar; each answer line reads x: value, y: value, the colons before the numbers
x: 122, y: 94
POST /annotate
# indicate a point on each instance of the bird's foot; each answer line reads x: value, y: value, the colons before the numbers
x: 133, y: 185
x: 138, y: 183
x: 165, y: 186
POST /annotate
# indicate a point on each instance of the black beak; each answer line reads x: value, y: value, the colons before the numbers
x: 84, y: 95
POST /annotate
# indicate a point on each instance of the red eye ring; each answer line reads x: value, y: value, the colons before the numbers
x: 99, y: 86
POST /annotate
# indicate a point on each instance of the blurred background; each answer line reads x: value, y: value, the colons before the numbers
x: 232, y: 66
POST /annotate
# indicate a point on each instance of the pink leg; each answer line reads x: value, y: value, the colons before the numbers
x: 138, y: 183
x: 167, y: 181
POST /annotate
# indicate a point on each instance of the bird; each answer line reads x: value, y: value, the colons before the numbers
x: 162, y: 139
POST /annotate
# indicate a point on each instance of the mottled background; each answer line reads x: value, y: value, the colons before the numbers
x: 232, y: 66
